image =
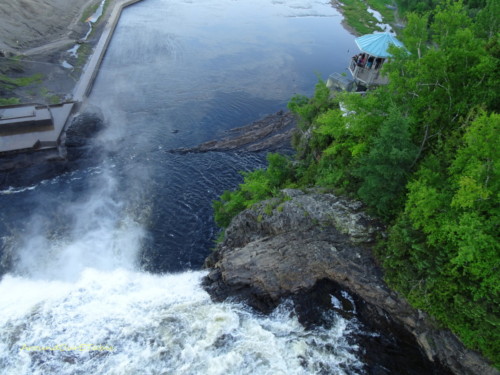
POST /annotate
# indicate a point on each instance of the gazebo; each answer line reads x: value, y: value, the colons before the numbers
x: 365, y: 67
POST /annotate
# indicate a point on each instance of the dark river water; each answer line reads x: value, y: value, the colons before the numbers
x: 102, y: 262
x: 181, y: 73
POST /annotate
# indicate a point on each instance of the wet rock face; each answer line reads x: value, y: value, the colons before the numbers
x: 285, y: 247
x: 271, y: 133
x: 306, y: 238
x: 81, y: 132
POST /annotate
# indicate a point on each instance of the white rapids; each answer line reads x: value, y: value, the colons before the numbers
x: 77, y: 302
x: 130, y: 322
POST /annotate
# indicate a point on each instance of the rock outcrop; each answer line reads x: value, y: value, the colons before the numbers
x: 286, y: 246
x: 271, y: 133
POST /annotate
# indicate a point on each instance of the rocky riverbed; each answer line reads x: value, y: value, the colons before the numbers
x: 289, y: 247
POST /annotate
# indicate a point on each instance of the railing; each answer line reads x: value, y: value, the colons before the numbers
x: 365, y: 75
x: 353, y: 66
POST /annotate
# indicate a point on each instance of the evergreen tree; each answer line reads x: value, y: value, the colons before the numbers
x: 384, y: 170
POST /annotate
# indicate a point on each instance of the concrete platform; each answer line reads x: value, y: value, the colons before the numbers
x: 23, y: 119
x: 90, y: 71
x: 33, y: 126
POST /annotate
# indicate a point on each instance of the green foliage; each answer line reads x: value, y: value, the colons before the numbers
x: 420, y: 6
x: 487, y: 23
x: 356, y: 15
x: 358, y: 18
x: 444, y: 251
x: 308, y: 108
x: 9, y: 83
x: 89, y: 11
x: 384, y: 7
x: 9, y: 101
x: 385, y: 168
x: 448, y: 72
x: 417, y: 5
x: 49, y: 97
x: 83, y: 54
x: 257, y: 186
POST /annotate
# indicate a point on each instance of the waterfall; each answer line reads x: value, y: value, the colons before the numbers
x: 102, y: 261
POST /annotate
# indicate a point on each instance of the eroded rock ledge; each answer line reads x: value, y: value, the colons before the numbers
x: 283, y: 247
x: 271, y: 133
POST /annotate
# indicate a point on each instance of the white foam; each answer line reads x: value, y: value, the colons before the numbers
x: 94, y: 231
x: 144, y: 323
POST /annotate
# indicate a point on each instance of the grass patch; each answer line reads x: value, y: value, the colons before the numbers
x: 220, y: 237
x: 89, y: 11
x: 8, y: 83
x: 54, y: 99
x: 381, y: 7
x: 11, y: 64
x: 9, y: 101
x: 357, y: 16
x: 50, y: 98
x: 84, y: 52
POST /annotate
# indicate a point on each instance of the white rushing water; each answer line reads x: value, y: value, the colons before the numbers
x: 75, y: 302
x: 126, y: 322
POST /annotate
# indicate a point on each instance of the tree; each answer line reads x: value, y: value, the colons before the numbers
x: 443, y: 76
x: 385, y: 169
x: 455, y: 265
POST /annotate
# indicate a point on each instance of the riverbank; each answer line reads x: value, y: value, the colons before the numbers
x: 55, y: 50
x: 375, y: 157
x: 35, y: 41
x: 360, y: 17
x: 26, y: 24
x: 31, y: 141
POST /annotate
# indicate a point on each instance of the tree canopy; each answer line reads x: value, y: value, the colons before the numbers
x: 422, y: 153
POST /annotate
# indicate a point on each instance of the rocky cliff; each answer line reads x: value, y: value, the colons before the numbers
x: 286, y: 246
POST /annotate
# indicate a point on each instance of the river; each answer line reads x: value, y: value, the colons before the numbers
x: 102, y: 263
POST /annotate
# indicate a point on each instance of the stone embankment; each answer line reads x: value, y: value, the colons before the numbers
x: 283, y: 247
